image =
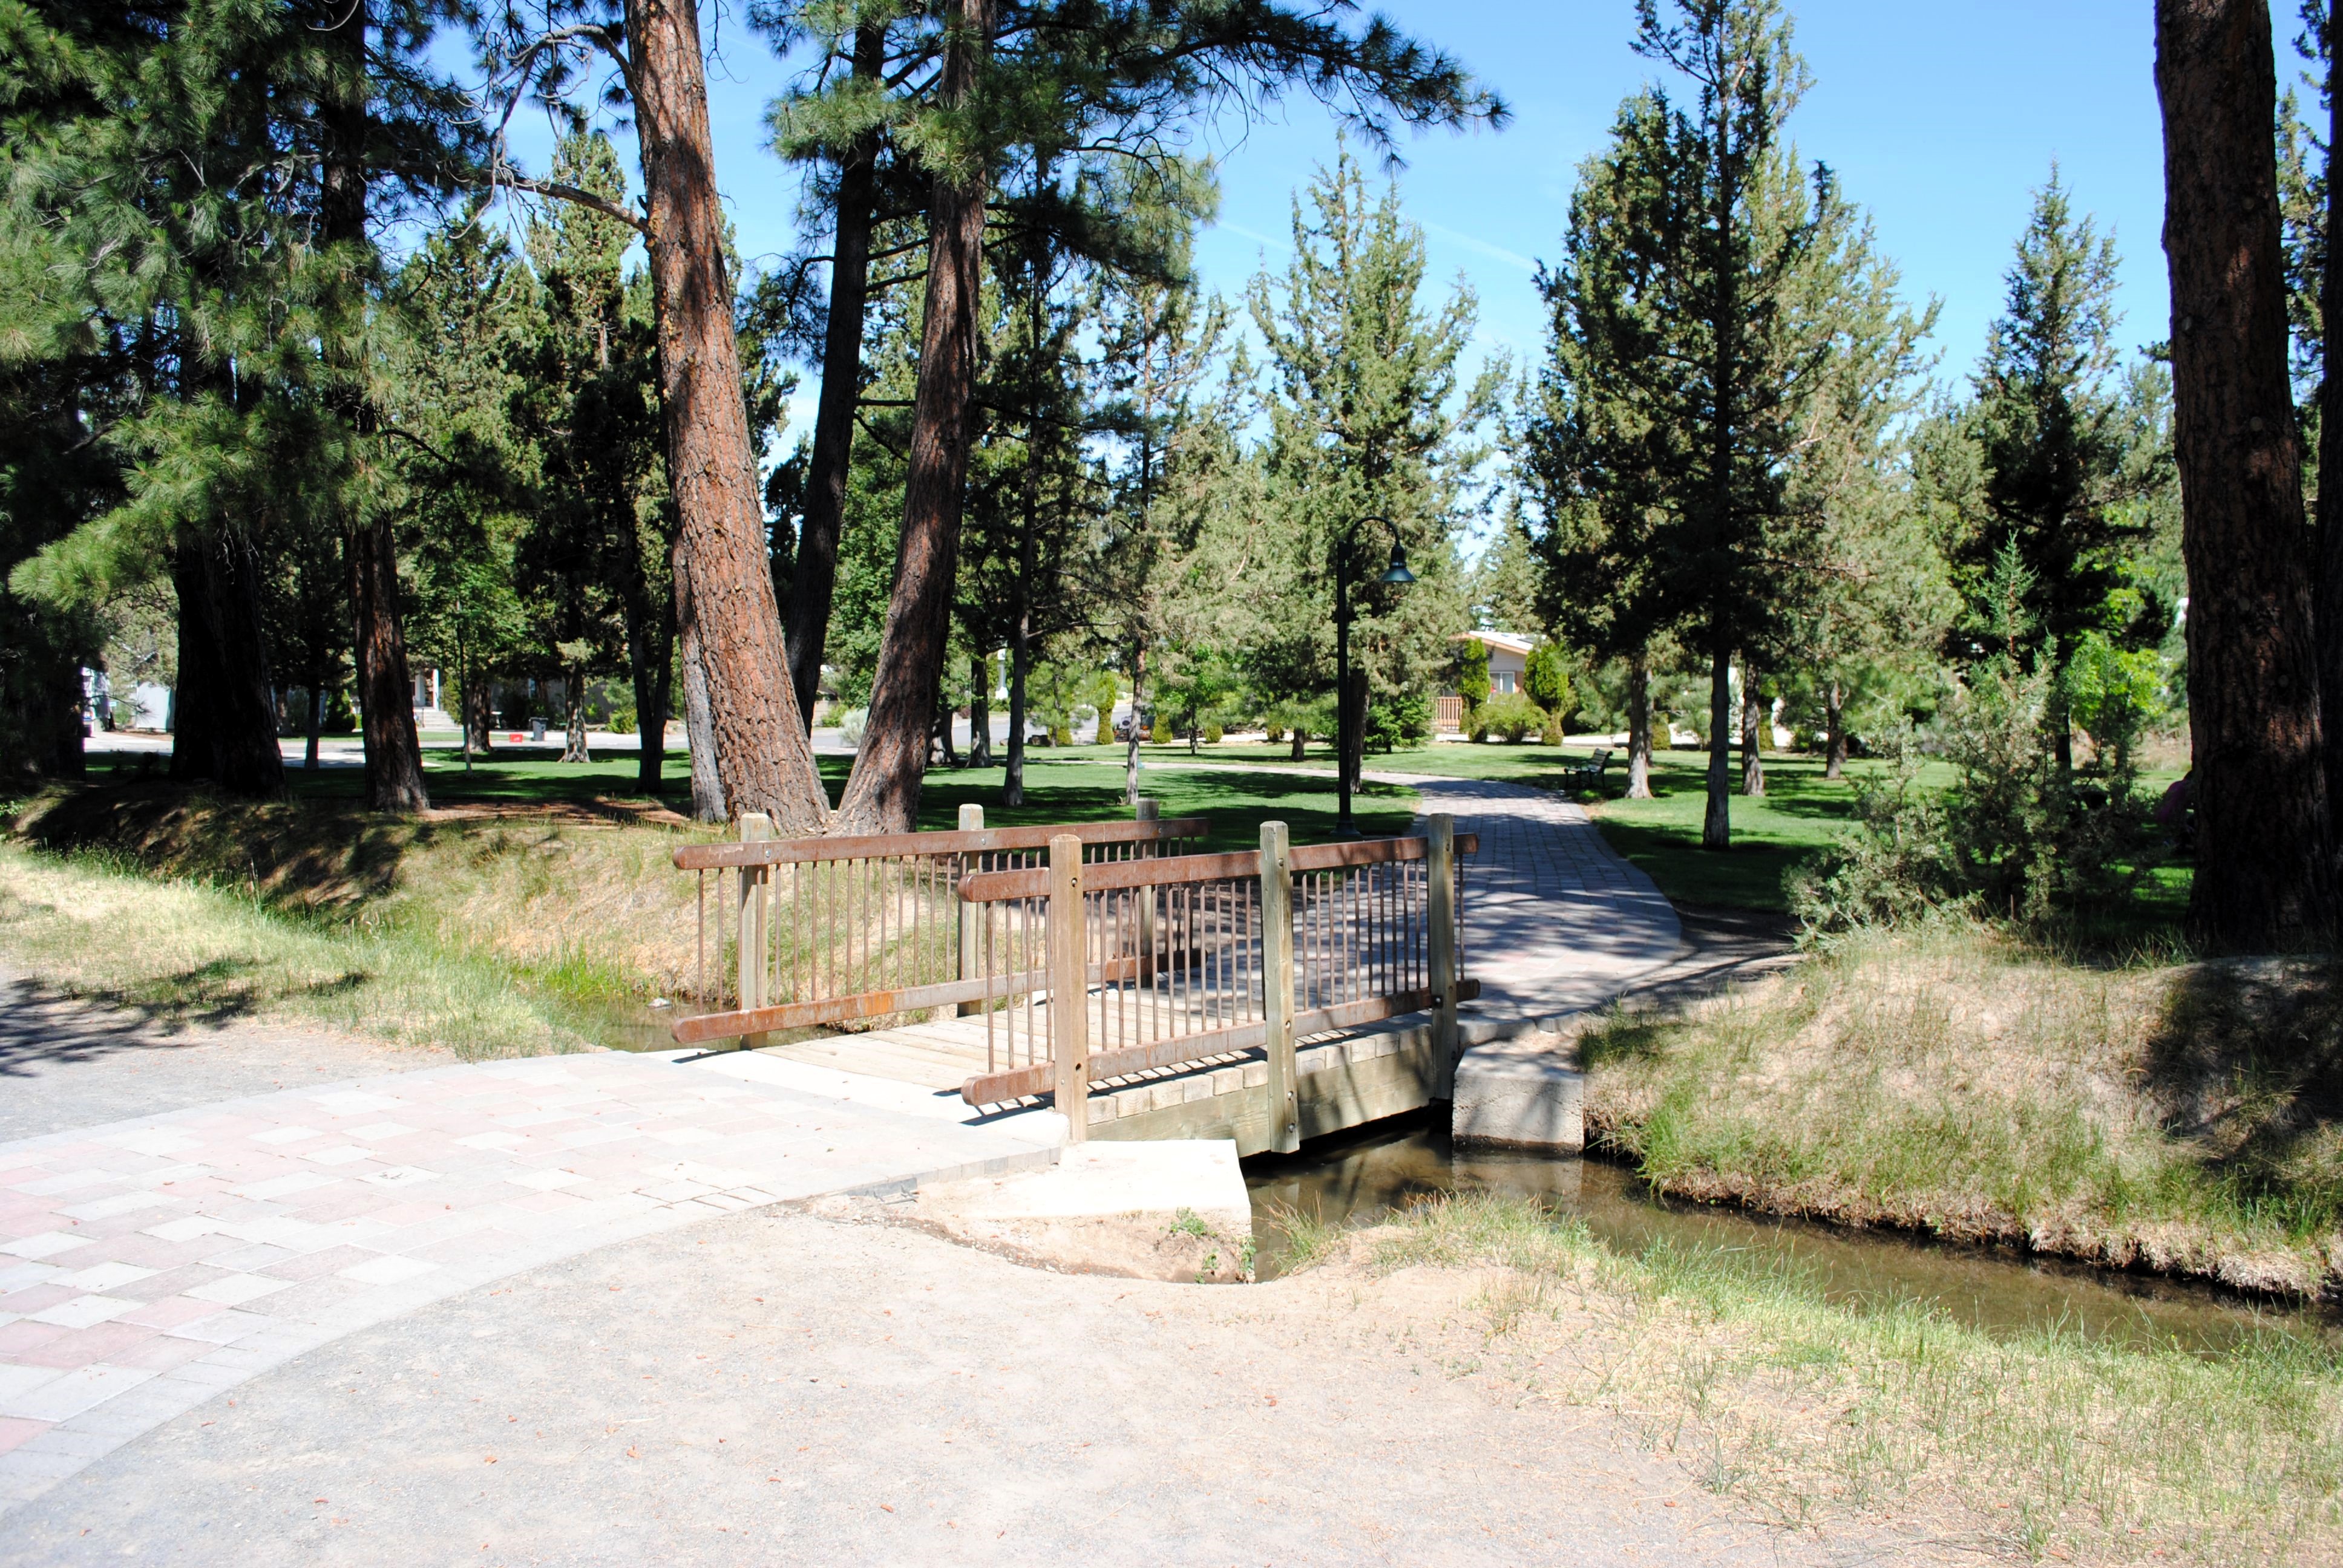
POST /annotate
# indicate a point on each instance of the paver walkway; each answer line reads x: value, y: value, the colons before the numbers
x: 148, y: 1265
x: 1555, y: 918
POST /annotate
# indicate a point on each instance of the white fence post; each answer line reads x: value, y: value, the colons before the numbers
x: 1069, y: 1045
x: 755, y: 826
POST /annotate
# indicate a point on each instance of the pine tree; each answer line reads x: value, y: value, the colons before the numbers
x: 2047, y: 419
x: 1367, y: 421
x: 2265, y: 872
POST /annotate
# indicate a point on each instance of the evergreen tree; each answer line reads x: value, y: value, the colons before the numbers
x: 1372, y: 441
x: 2049, y: 424
x: 2265, y: 873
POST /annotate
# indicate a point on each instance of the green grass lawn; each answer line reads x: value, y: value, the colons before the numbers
x: 1799, y: 813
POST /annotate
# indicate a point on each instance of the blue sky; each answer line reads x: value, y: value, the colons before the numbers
x: 1941, y: 119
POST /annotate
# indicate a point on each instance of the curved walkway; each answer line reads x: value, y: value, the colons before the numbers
x: 148, y: 1264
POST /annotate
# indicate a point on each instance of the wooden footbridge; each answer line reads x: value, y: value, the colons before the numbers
x: 1107, y: 969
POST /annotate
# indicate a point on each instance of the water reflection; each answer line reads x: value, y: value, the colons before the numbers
x: 1361, y: 1176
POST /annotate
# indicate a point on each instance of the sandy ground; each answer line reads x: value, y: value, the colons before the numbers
x: 785, y: 1386
x: 66, y: 1064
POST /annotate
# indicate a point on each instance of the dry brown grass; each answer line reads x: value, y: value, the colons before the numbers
x: 2182, y: 1117
x: 553, y: 891
x: 1890, y: 1421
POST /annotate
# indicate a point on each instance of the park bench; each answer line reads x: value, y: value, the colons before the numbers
x: 1588, y: 774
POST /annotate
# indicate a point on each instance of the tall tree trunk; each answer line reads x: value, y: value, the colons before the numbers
x: 2264, y: 868
x: 1012, y: 780
x: 815, y: 578
x: 1131, y: 746
x: 1020, y: 637
x: 315, y: 725
x: 762, y: 752
x: 980, y: 710
x: 480, y: 720
x: 653, y: 676
x: 1834, y: 729
x: 883, y: 794
x: 394, y: 753
x: 226, y: 723
x: 698, y: 724
x: 1639, y: 725
x: 1353, y: 761
x: 1754, y: 719
x: 1717, y: 821
x: 194, y: 693
x: 946, y: 751
x: 573, y: 724
x: 54, y: 725
x: 2328, y: 607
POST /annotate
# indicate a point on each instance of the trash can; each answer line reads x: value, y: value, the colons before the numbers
x: 536, y: 729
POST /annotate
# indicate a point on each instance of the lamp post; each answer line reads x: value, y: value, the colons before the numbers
x: 1346, y: 720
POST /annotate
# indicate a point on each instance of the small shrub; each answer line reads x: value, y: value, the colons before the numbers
x: 1545, y: 680
x: 1403, y: 719
x: 622, y: 720
x: 851, y: 723
x: 1060, y: 735
x: 1214, y: 731
x: 1510, y: 715
x: 1160, y: 731
x: 1550, y: 734
x: 1105, y: 732
x: 1273, y: 732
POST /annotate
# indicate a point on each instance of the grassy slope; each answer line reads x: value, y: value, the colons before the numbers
x: 2183, y: 1117
x: 502, y: 935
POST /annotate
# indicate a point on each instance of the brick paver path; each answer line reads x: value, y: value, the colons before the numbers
x: 145, y: 1265
x: 1553, y: 918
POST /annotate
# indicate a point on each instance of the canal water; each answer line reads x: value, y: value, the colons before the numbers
x: 1362, y: 1177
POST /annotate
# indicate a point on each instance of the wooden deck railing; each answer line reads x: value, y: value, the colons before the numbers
x: 831, y: 930
x: 1096, y: 971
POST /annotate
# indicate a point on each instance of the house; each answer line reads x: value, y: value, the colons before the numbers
x: 1509, y: 657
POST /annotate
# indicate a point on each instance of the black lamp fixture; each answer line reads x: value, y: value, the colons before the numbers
x: 1346, y: 716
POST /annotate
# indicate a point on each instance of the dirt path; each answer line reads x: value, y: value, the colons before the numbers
x: 66, y: 1063
x: 775, y: 1386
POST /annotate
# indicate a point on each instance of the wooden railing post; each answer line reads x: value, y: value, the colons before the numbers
x: 1277, y: 987
x: 1440, y: 871
x: 1147, y: 808
x: 754, y: 938
x: 971, y: 917
x: 1070, y: 1043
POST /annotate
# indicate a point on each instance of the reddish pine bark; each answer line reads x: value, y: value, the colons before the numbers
x: 883, y: 794
x: 223, y: 722
x: 394, y: 754
x: 2329, y: 606
x: 2263, y: 876
x: 813, y: 579
x: 761, y: 753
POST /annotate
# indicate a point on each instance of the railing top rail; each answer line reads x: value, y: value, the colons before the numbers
x: 880, y: 845
x: 996, y: 887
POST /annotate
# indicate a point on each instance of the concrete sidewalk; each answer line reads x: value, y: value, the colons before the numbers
x: 148, y: 1264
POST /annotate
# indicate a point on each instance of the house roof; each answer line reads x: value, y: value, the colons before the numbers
x: 1504, y: 639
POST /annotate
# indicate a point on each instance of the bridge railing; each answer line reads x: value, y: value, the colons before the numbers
x: 1094, y: 971
x: 798, y: 932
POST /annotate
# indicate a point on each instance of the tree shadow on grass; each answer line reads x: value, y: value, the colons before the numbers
x: 2247, y: 1062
